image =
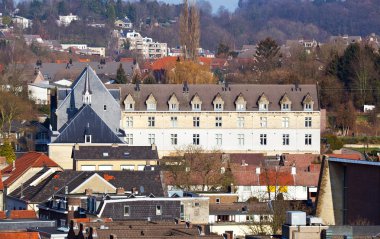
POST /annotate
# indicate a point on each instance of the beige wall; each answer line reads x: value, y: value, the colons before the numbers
x: 115, y: 163
x: 97, y: 184
x: 310, y: 232
x: 224, y: 198
x: 22, y: 179
x: 196, y: 210
x: 207, y: 119
x: 61, y: 154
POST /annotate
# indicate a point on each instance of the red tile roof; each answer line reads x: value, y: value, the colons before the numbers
x: 168, y: 61
x: 346, y: 156
x: 124, y: 59
x: 22, y: 214
x: 2, y: 215
x: 18, y: 235
x: 24, y: 163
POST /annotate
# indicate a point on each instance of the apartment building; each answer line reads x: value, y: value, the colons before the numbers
x: 145, y: 45
x: 270, y: 119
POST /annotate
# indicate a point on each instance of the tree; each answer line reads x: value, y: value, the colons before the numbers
x: 223, y: 50
x: 121, y: 78
x: 111, y: 13
x: 190, y: 72
x: 346, y: 117
x: 6, y: 150
x: 189, y: 30
x: 267, y: 54
x: 194, y: 168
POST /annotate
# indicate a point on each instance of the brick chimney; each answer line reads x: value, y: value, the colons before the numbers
x: 134, y: 190
x: 120, y: 191
x: 76, y: 146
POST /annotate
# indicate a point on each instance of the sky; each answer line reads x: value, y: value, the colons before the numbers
x: 229, y: 4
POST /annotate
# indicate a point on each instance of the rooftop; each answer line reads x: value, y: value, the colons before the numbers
x: 115, y: 152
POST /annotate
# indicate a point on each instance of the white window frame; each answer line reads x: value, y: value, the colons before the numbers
x: 219, y: 139
x: 151, y: 121
x: 286, y: 139
x: 158, y: 210
x: 129, y: 122
x: 129, y: 139
x: 308, y: 139
x: 174, y: 121
x: 263, y: 107
x: 196, y: 107
x: 127, y: 212
x: 241, y: 139
x: 151, y: 139
x: 173, y: 107
x: 174, y: 139
x: 263, y: 122
x: 285, y: 107
x: 240, y: 107
x: 218, y: 107
x: 196, y: 139
x: 308, y: 107
x: 196, y: 122
x: 285, y: 122
x: 218, y: 121
x: 240, y: 122
x: 308, y: 122
x: 151, y: 106
x: 263, y: 139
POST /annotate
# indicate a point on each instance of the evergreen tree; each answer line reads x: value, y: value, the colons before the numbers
x: 6, y: 150
x: 121, y: 78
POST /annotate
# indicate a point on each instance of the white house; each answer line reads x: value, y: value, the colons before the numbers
x: 124, y: 23
x: 66, y: 20
x: 40, y: 92
x: 22, y: 22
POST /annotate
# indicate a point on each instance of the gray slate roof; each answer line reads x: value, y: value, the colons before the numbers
x: 86, y: 120
x: 207, y: 93
x: 119, y: 152
x: 58, y: 71
x: 55, y: 183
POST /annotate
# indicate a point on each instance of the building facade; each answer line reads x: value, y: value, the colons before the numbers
x: 269, y: 119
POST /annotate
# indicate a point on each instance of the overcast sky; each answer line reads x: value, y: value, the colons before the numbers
x: 229, y: 4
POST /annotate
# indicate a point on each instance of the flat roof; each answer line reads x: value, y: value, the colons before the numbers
x: 363, y: 162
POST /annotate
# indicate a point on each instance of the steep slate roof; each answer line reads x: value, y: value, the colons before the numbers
x: 58, y: 71
x: 118, y: 152
x: 74, y: 130
x: 24, y: 163
x: 55, y: 183
x: 207, y: 93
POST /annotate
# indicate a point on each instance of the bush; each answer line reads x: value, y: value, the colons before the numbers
x: 334, y: 142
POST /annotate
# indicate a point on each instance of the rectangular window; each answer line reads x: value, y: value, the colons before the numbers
x: 195, y: 139
x: 158, y: 210
x: 285, y: 107
x: 105, y: 167
x: 152, y: 139
x: 62, y: 222
x: 307, y: 139
x: 241, y: 139
x: 127, y: 167
x: 196, y: 122
x: 263, y: 107
x: 174, y: 139
x: 196, y: 106
x: 263, y: 139
x: 240, y: 107
x: 308, y: 107
x: 219, y: 139
x: 218, y: 107
x: 151, y: 106
x: 240, y: 122
x: 285, y: 122
x: 285, y: 139
x: 88, y: 139
x: 129, y: 139
x: 218, y: 121
x: 217, y: 200
x: 263, y: 122
x: 173, y: 107
x: 308, y: 122
x: 151, y: 121
x: 126, y: 211
x: 129, y: 122
x: 174, y: 121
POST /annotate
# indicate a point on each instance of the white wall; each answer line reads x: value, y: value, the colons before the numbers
x: 39, y: 94
x: 260, y: 192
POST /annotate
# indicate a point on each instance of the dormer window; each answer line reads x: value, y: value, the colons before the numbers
x: 196, y: 103
x: 129, y: 103
x: 218, y: 103
x: 173, y: 103
x: 151, y: 103
x: 263, y: 103
x: 308, y: 103
x: 285, y: 103
x: 87, y: 139
x: 241, y: 103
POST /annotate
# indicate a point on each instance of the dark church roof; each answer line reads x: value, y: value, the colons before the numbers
x: 87, y: 121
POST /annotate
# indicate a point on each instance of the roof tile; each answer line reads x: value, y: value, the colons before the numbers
x: 22, y: 214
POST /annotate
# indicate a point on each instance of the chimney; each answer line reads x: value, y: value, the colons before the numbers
x: 80, y: 233
x: 76, y: 146
x: 120, y: 191
x: 202, y: 229
x: 71, y: 233
x: 134, y: 190
x: 88, y: 192
x: 189, y: 225
x: 154, y: 147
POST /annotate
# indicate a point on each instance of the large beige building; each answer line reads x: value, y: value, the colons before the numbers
x: 270, y: 119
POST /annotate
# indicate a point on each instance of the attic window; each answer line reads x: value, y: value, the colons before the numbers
x: 105, y: 154
x: 88, y: 139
